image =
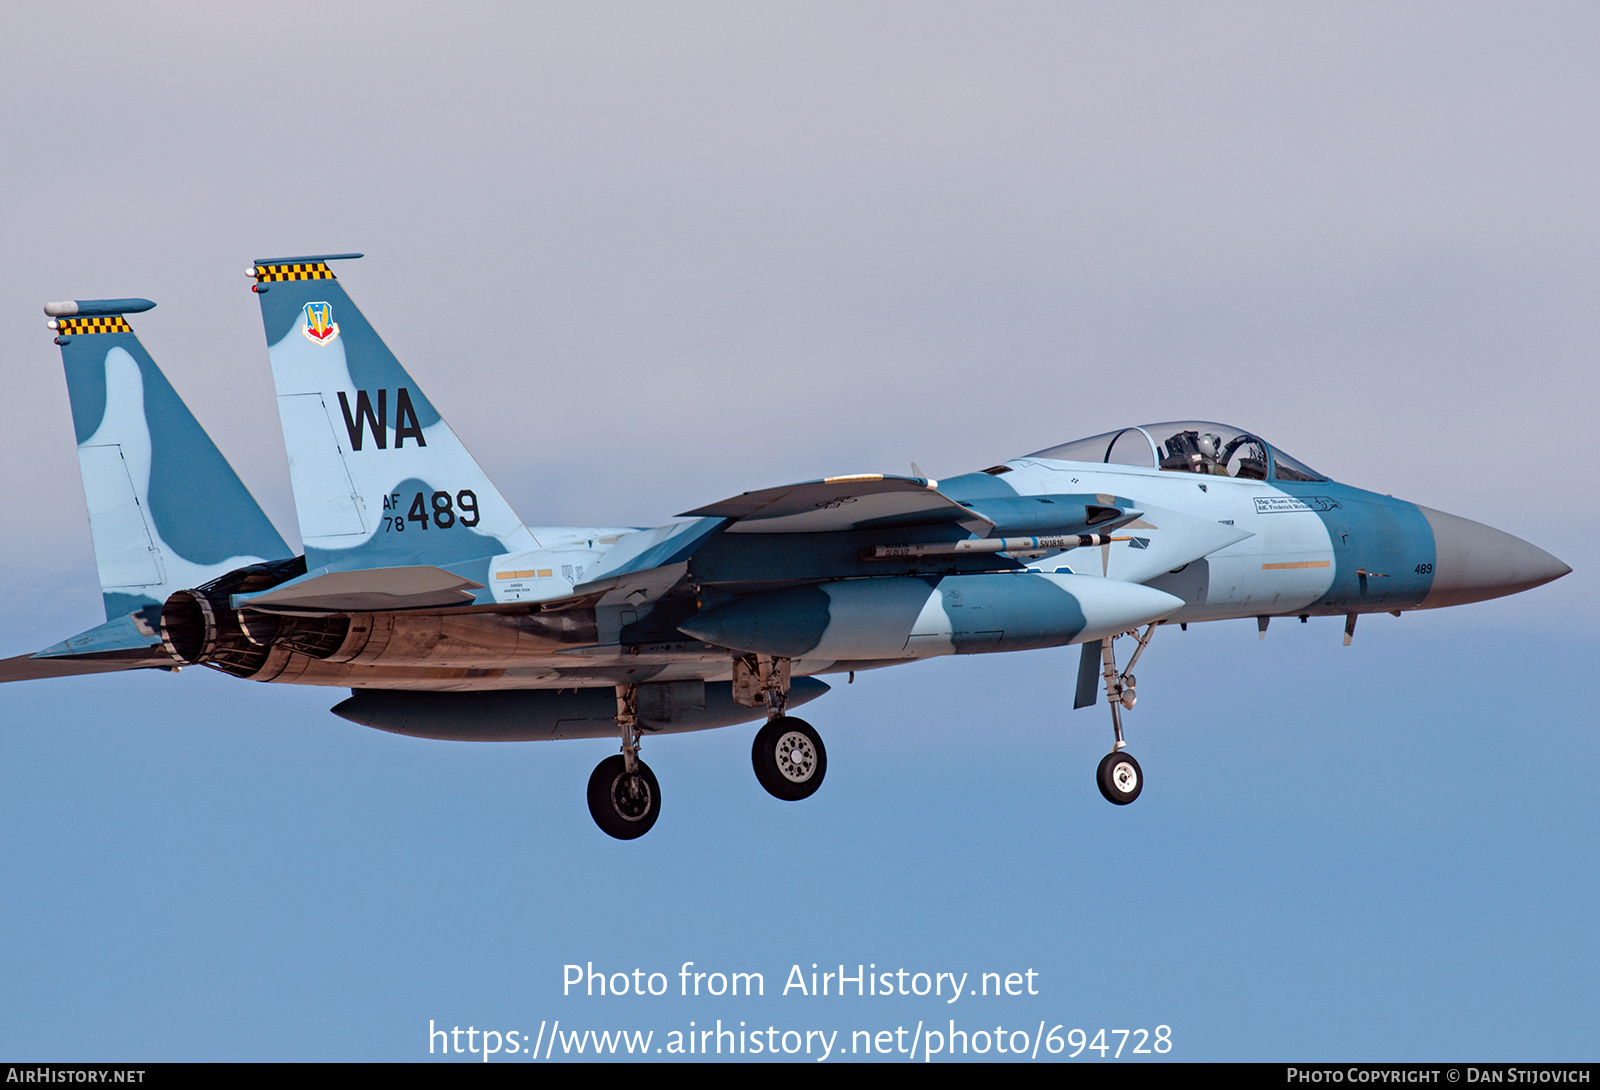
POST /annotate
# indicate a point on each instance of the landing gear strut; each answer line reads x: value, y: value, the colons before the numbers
x: 787, y: 754
x: 624, y: 797
x: 1119, y: 775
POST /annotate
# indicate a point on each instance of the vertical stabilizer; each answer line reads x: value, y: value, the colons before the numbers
x: 380, y: 480
x: 166, y: 510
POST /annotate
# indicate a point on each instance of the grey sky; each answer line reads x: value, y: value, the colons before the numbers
x: 645, y: 256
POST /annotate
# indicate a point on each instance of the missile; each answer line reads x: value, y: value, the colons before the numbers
x: 989, y: 545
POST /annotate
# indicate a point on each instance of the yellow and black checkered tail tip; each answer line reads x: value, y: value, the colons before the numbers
x: 77, y: 317
x: 309, y: 267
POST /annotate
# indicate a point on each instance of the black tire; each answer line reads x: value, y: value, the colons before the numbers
x: 1120, y: 778
x: 789, y: 758
x: 624, y: 806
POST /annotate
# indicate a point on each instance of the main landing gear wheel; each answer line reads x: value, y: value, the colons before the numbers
x: 624, y: 804
x: 789, y: 759
x: 1120, y: 778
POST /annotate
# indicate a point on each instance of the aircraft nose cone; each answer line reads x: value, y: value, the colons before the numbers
x: 1475, y: 562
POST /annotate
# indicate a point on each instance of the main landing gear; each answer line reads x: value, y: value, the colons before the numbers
x: 789, y: 759
x: 624, y: 797
x: 1119, y: 776
x: 788, y: 754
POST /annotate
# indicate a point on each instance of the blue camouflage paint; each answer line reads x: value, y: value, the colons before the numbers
x: 986, y: 612
x: 84, y: 359
x: 198, y: 504
x: 349, y: 407
x: 119, y: 605
x: 972, y: 487
x: 413, y: 545
x: 758, y: 558
x: 1009, y: 613
x: 783, y: 622
x: 371, y: 364
x: 1389, y: 538
x: 1063, y: 513
x: 678, y: 542
x: 197, y: 512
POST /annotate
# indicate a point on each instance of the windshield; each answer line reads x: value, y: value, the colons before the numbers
x: 1187, y: 446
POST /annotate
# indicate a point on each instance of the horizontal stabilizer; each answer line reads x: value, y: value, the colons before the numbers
x: 129, y: 642
x: 864, y: 502
x: 369, y: 590
x: 136, y: 632
x: 28, y: 668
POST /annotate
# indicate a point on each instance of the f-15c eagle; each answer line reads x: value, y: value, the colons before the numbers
x: 423, y: 593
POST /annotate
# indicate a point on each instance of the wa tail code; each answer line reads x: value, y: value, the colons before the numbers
x: 405, y: 419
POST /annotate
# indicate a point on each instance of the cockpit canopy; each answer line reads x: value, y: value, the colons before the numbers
x: 1187, y: 446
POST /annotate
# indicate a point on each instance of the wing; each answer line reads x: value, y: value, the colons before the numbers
x: 861, y: 502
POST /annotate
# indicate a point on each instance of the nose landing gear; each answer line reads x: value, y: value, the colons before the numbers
x: 1119, y: 776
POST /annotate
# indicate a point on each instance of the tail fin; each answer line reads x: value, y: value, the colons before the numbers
x: 166, y: 510
x: 379, y: 478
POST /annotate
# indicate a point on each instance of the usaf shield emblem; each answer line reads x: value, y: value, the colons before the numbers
x: 320, y: 326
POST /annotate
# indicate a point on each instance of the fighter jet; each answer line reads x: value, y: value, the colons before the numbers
x: 422, y: 592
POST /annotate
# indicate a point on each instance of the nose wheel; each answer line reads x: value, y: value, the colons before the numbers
x: 1119, y: 777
